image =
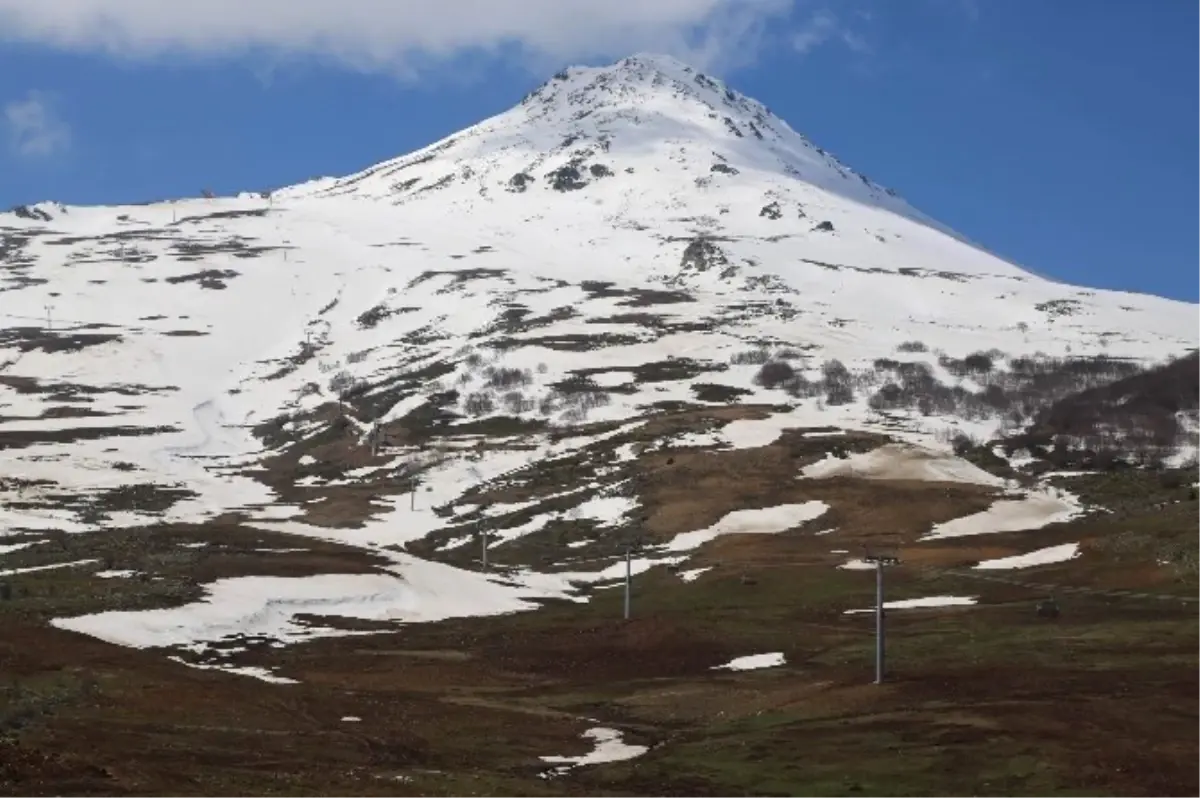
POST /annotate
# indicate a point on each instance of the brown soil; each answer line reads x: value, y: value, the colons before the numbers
x: 989, y: 699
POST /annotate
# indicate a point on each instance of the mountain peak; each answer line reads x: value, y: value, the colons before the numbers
x: 649, y: 125
x: 639, y: 79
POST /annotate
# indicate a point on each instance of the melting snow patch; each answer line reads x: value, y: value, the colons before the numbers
x: 693, y: 574
x: 32, y: 569
x: 1046, y: 556
x: 697, y: 439
x: 39, y: 520
x: 767, y: 521
x: 351, y: 719
x: 11, y: 547
x: 454, y: 543
x: 626, y: 452
x: 262, y: 674
x: 901, y: 461
x: 1035, y: 511
x: 125, y: 574
x: 857, y: 565
x: 753, y: 662
x: 753, y: 433
x: 259, y: 606
x: 608, y: 748
x: 608, y: 510
x: 637, y: 566
x: 927, y: 601
x: 611, y: 379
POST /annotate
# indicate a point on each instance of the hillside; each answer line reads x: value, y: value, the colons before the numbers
x: 271, y: 437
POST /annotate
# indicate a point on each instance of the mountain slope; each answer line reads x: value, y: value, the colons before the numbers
x: 628, y: 243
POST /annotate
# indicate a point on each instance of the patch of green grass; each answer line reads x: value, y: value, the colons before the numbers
x: 854, y: 756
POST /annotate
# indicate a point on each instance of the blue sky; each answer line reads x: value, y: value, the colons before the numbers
x: 1061, y: 134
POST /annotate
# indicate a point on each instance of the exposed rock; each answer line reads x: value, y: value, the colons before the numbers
x: 566, y: 178
x: 519, y: 182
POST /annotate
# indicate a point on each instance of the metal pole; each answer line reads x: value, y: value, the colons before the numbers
x: 879, y: 633
x: 412, y: 504
x: 484, y: 539
x: 880, y: 562
x: 628, y: 578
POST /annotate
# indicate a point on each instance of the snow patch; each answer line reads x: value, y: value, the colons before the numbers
x: 117, y: 574
x: 753, y: 662
x: 917, y: 603
x: 767, y: 521
x: 11, y: 547
x: 53, y: 566
x: 898, y: 461
x: 1033, y: 511
x: 1046, y: 556
x: 254, y: 672
x: 608, y: 747
x: 417, y: 591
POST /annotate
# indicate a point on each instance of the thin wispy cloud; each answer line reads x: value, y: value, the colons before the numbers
x: 394, y: 36
x: 34, y: 127
x: 823, y: 27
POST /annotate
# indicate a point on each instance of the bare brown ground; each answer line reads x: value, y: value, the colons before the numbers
x: 983, y: 700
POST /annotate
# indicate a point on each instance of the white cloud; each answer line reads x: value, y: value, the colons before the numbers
x: 819, y: 29
x: 34, y: 127
x: 822, y: 28
x: 397, y: 36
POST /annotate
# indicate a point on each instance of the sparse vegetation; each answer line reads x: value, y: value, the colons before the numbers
x: 214, y: 279
x: 566, y: 178
x: 838, y: 383
x: 368, y: 319
x: 751, y: 357
x: 710, y: 392
x: 775, y: 374
x: 479, y: 403
x: 501, y: 378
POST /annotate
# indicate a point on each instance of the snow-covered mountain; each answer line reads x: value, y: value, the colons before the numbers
x: 627, y: 241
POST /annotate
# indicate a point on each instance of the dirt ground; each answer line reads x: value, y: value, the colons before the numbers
x: 987, y: 699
